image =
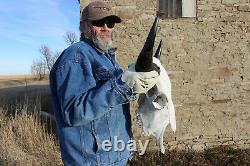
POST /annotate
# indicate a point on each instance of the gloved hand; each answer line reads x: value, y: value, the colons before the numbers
x: 140, y: 82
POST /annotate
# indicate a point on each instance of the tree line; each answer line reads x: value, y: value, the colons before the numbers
x: 42, y: 66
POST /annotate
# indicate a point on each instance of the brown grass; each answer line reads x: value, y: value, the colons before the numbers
x: 20, y: 80
x: 24, y: 140
x: 13, y: 77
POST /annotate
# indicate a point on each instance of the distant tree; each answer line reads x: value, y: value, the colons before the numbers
x: 43, y: 66
x: 38, y: 68
x: 70, y: 38
x: 47, y: 56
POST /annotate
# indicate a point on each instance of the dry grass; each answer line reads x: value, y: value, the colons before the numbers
x: 20, y: 80
x: 24, y: 140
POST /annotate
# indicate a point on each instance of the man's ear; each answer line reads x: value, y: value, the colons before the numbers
x: 83, y: 26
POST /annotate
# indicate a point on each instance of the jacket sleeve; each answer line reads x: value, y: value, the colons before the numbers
x: 81, y: 100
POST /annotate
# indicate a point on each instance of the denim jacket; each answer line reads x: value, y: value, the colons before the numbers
x: 91, y: 105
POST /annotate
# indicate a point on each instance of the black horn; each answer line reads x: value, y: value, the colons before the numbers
x: 144, y: 61
x: 158, y: 51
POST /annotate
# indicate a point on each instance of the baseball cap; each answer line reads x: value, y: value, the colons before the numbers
x: 98, y: 10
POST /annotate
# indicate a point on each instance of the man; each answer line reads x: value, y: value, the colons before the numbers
x: 91, y: 93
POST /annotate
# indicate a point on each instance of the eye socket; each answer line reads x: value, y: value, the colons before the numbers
x: 101, y: 23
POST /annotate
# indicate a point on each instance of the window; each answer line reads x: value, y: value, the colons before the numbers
x: 176, y: 8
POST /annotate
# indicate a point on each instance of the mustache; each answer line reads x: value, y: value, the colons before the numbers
x: 104, y: 34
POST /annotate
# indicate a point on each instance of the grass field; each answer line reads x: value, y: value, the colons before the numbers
x: 28, y: 139
x: 19, y: 80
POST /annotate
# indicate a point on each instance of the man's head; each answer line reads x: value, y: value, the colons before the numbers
x: 97, y: 24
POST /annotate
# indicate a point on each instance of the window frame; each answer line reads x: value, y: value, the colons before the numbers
x: 175, y: 9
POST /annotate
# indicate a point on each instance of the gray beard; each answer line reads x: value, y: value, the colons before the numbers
x: 98, y: 41
x: 103, y: 46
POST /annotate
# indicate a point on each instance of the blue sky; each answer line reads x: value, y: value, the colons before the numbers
x: 27, y: 24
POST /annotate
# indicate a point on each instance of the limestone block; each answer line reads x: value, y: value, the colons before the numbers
x: 172, y: 143
x: 198, y: 147
x: 245, y: 146
x: 212, y: 144
x: 181, y: 147
x: 228, y: 143
x: 204, y: 7
x: 126, y: 12
x: 244, y: 7
x: 241, y: 142
x: 124, y: 3
x: 233, y: 2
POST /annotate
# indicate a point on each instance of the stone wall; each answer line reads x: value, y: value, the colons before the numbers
x: 208, y: 61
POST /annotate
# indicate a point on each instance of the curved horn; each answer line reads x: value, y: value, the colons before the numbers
x: 158, y: 51
x: 144, y: 61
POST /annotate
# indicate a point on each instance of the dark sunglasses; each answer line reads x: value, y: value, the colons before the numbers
x: 101, y: 23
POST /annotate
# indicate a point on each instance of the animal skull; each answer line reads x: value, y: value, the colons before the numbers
x: 156, y: 108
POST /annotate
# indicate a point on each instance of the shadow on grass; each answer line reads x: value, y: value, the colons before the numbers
x: 221, y: 156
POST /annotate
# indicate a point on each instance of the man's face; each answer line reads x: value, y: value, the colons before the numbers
x: 101, y: 33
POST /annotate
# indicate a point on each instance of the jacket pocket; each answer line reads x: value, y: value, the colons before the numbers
x: 95, y: 145
x: 103, y: 74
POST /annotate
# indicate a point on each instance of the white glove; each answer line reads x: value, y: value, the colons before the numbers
x: 140, y: 82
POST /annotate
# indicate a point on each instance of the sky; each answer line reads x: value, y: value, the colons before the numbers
x: 26, y: 25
